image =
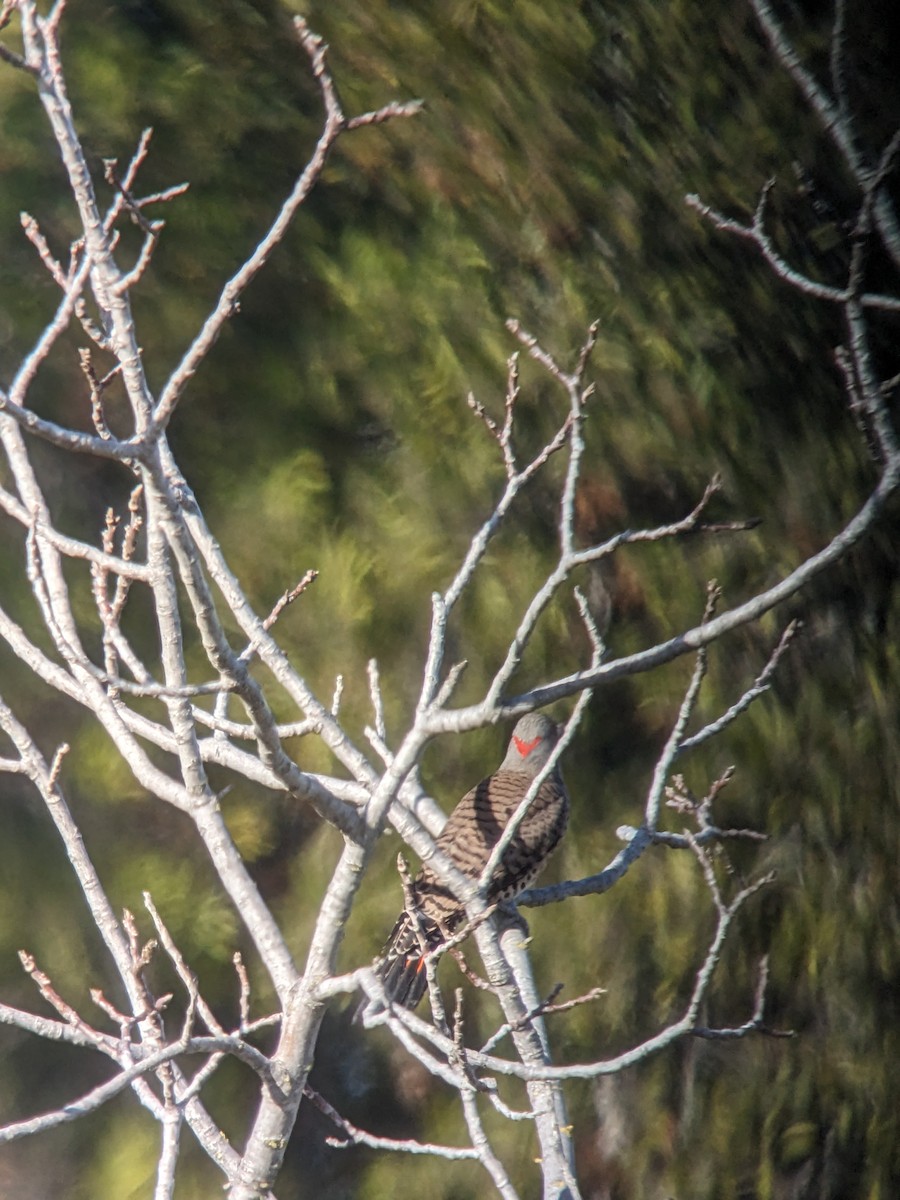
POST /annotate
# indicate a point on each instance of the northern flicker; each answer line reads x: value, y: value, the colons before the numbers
x: 472, y: 830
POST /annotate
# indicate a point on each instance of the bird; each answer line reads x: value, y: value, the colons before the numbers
x: 472, y: 830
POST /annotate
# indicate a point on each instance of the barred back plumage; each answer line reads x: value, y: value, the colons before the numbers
x: 471, y: 833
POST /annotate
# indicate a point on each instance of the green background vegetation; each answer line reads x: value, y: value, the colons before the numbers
x: 329, y: 429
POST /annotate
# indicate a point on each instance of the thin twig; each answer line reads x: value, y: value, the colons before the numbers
x: 354, y: 1136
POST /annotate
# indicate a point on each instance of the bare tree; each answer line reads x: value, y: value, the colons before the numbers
x: 160, y: 545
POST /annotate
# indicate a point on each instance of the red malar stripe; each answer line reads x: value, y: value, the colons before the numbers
x: 525, y: 748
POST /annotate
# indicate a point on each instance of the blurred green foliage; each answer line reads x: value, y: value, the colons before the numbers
x: 329, y: 429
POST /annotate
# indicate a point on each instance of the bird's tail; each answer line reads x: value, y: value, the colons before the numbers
x: 401, y: 967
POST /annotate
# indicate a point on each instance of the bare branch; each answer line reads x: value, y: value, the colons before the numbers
x: 756, y: 233
x: 354, y: 1136
x: 545, y: 1008
x: 289, y: 597
x: 335, y: 124
x: 830, y: 119
x: 377, y: 700
x: 758, y: 688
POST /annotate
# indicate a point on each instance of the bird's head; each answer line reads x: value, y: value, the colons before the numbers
x: 531, y: 744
